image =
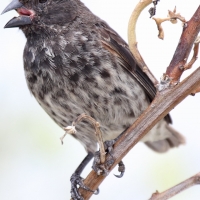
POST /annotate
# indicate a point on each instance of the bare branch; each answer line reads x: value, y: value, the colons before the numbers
x: 159, y: 21
x: 195, y: 54
x: 190, y: 32
x: 132, y: 39
x: 172, y: 17
x: 163, y: 104
x: 71, y: 130
x: 194, y: 180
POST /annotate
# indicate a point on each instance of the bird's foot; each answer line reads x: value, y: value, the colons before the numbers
x: 76, y: 183
x: 103, y: 168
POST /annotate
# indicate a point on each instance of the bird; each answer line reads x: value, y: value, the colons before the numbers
x: 75, y: 63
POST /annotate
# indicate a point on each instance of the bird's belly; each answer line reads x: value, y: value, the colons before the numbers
x: 112, y: 97
x: 114, y: 115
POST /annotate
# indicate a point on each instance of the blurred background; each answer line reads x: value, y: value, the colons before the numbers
x: 34, y: 164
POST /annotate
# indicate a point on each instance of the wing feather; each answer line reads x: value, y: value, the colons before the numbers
x: 115, y: 44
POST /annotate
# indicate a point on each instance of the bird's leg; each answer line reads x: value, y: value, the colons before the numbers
x: 77, y: 180
x: 102, y: 168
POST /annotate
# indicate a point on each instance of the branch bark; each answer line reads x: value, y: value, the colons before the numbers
x: 132, y: 41
x: 197, y: 90
x: 164, y: 102
x: 190, y: 32
x: 194, y: 180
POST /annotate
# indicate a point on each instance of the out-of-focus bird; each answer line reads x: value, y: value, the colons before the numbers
x: 75, y: 63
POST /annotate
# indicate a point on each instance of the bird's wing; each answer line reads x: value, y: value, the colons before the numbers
x: 114, y: 43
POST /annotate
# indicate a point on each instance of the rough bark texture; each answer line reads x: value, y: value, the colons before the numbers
x: 190, y: 31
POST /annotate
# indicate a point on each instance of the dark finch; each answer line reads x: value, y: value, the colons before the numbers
x: 75, y: 63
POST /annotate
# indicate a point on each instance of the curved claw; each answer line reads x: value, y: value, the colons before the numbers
x: 96, y: 192
x: 77, y: 180
x: 121, y: 169
x: 119, y: 176
x: 81, y: 184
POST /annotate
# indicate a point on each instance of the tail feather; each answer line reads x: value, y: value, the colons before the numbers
x: 173, y: 140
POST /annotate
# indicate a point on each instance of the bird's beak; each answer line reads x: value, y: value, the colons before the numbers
x: 25, y: 17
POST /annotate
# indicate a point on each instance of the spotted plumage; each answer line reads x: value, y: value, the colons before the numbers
x: 75, y: 63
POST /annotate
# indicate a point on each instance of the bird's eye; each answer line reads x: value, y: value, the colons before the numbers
x: 42, y: 1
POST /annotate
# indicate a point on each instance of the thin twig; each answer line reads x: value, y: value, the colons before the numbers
x: 172, y: 17
x: 97, y: 132
x: 195, y: 55
x: 72, y: 130
x: 132, y: 39
x: 194, y: 180
x: 159, y: 21
x: 100, y: 142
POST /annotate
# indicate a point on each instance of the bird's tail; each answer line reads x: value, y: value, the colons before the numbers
x: 173, y: 140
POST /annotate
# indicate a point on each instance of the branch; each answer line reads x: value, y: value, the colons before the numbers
x: 194, y: 180
x: 72, y: 130
x: 159, y: 21
x: 190, y: 32
x: 160, y: 107
x: 195, y: 54
x: 164, y: 102
x: 132, y: 39
x: 172, y: 17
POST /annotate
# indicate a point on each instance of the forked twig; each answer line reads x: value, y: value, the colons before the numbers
x: 159, y: 21
x: 172, y: 17
x: 188, y: 37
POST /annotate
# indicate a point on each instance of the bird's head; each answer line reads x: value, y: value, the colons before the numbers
x: 41, y: 14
